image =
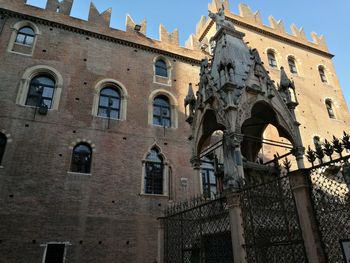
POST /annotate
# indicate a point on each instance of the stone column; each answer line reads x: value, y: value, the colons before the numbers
x: 298, y: 152
x: 301, y: 188
x: 236, y: 224
x: 161, y: 240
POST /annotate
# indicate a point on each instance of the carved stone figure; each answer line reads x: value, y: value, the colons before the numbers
x: 219, y: 18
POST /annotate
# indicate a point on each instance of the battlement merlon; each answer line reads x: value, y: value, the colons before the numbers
x: 252, y: 21
x: 97, y: 26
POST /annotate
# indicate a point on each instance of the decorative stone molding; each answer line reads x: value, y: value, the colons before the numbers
x: 166, y: 81
x: 32, y: 72
x: 173, y: 106
x: 24, y: 50
x: 123, y: 96
x: 166, y: 172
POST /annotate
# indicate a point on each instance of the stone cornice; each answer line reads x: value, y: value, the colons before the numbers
x: 269, y: 34
x: 90, y: 33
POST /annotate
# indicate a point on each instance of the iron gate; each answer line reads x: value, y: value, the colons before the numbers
x: 330, y: 197
x: 198, y: 232
x: 271, y: 224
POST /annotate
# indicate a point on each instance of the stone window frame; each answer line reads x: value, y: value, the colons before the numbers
x: 66, y: 244
x: 71, y: 148
x: 31, y: 73
x: 15, y: 28
x: 166, y: 81
x: 123, y: 97
x: 325, y: 72
x: 173, y: 107
x: 331, y: 102
x: 276, y: 54
x: 8, y: 141
x: 293, y: 57
x: 166, y: 173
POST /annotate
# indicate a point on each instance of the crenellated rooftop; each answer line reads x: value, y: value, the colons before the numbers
x: 57, y: 14
x: 252, y: 20
x: 99, y: 23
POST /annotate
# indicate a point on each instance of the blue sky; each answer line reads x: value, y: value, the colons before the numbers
x: 323, y: 17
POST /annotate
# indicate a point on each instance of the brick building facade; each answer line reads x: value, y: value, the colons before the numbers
x: 107, y: 212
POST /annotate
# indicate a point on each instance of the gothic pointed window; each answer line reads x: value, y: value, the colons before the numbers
x: 3, y: 142
x: 109, y: 103
x: 41, y: 91
x: 161, y: 111
x: 322, y: 73
x: 272, y: 58
x: 161, y: 68
x: 292, y: 65
x: 154, y: 173
x: 81, y: 158
x: 25, y: 36
x: 329, y: 106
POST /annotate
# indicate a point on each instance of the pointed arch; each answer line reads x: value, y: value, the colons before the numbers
x: 155, y: 172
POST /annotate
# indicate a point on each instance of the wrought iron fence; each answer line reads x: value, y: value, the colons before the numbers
x: 198, y: 232
x: 271, y: 226
x: 329, y: 175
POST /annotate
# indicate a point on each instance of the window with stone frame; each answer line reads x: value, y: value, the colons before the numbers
x: 41, y: 91
x: 161, y: 111
x: 81, y: 159
x: 154, y: 173
x: 109, y: 103
x: 329, y: 107
x: 321, y: 71
x: 25, y: 36
x: 317, y: 142
x: 3, y: 142
x: 271, y: 57
x: 161, y: 68
x: 292, y: 65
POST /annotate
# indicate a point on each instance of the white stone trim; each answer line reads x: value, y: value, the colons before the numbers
x: 166, y: 173
x: 167, y: 80
x: 173, y: 106
x: 15, y: 28
x: 123, y: 96
x: 34, y: 71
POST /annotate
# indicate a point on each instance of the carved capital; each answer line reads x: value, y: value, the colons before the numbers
x: 196, y: 162
x: 299, y: 152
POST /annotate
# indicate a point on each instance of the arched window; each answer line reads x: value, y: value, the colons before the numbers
x: 109, y: 103
x: 317, y: 142
x: 25, y: 36
x: 81, y: 158
x: 329, y: 106
x: 161, y: 111
x: 292, y: 65
x: 3, y: 141
x: 41, y: 91
x: 322, y: 73
x: 209, y: 183
x: 271, y: 58
x: 154, y: 169
x: 161, y: 68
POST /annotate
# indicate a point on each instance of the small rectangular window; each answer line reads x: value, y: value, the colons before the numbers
x: 54, y: 253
